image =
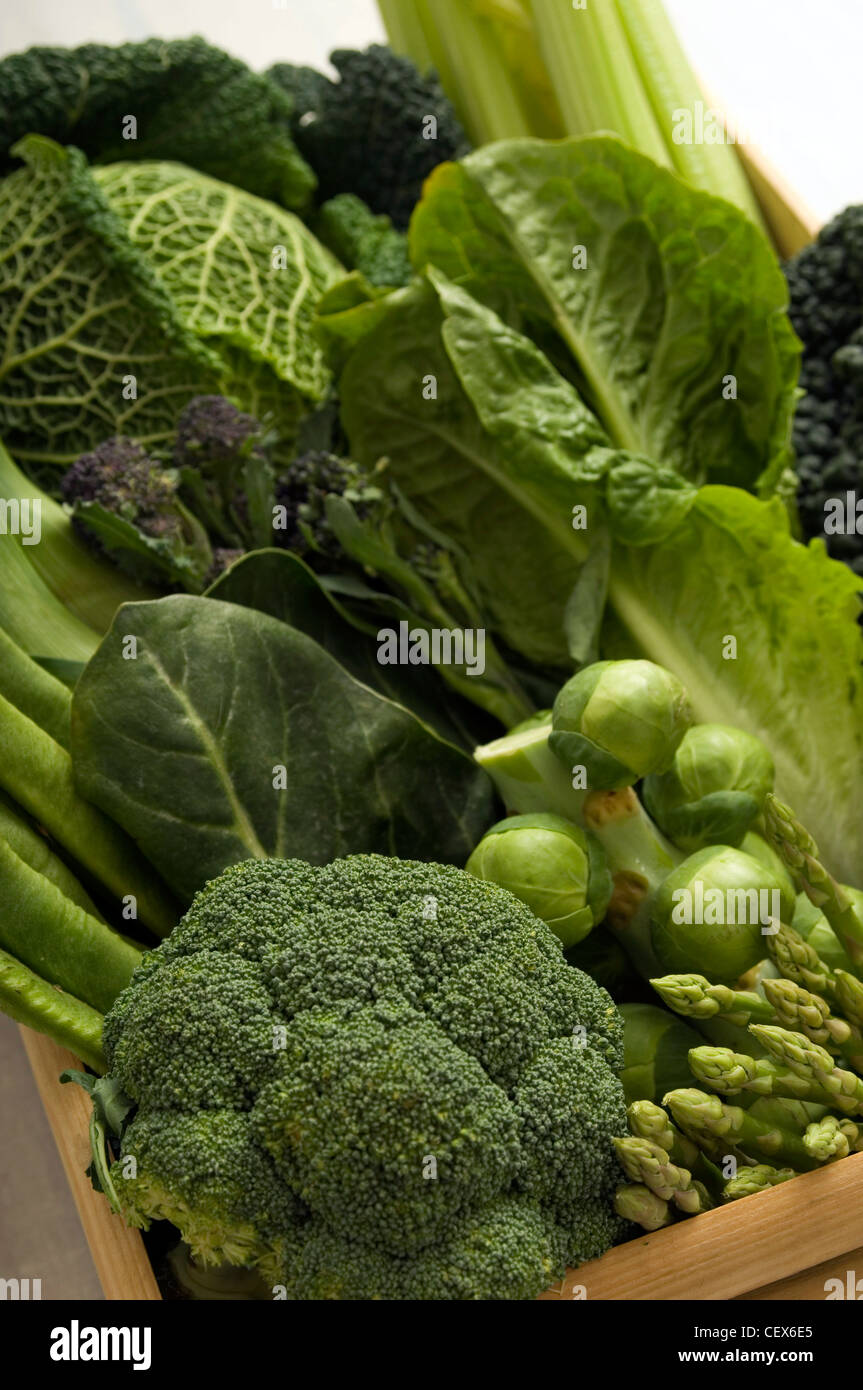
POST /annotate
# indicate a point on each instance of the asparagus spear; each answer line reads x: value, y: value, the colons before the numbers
x: 731, y: 1072
x: 831, y: 1138
x: 759, y: 1178
x: 814, y: 1063
x: 635, y: 1202
x: 721, y: 1129
x: 645, y: 1162
x: 798, y: 961
x: 848, y: 994
x: 694, y: 996
x: 802, y: 1012
x: 800, y: 854
x: 649, y: 1121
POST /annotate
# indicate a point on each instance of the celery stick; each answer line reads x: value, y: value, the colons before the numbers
x: 40, y: 696
x: 37, y: 773
x: 29, y: 999
x: 671, y: 86
x: 405, y: 31
x: 466, y: 53
x: 594, y: 74
x: 53, y: 936
x: 513, y: 25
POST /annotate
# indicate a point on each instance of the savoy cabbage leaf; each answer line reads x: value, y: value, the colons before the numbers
x: 98, y: 338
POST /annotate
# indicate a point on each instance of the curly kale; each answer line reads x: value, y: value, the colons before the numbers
x: 825, y: 283
x: 193, y: 104
x: 369, y: 132
x: 331, y: 1087
x: 364, y: 241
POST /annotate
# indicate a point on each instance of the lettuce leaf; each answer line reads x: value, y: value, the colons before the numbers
x: 500, y: 458
x: 679, y: 292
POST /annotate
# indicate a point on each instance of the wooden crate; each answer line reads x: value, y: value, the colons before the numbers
x: 782, y: 1244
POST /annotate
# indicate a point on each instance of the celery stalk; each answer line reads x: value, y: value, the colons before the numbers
x: 671, y: 86
x: 594, y: 74
x: 465, y: 51
x: 405, y: 31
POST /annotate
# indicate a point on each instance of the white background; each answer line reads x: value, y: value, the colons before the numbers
x: 791, y: 70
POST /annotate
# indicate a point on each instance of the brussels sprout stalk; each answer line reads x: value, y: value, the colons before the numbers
x: 526, y: 773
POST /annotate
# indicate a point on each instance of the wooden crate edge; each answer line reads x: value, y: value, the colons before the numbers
x: 118, y: 1252
x: 746, y: 1246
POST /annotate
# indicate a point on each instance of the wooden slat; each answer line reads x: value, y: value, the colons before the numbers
x: 810, y: 1284
x: 792, y: 224
x: 735, y: 1249
x: 118, y: 1252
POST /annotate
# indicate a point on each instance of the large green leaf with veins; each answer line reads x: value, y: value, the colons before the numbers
x: 677, y: 292
x: 181, y: 746
x: 183, y: 298
x: 240, y: 270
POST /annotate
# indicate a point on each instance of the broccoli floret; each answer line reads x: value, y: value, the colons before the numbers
x: 401, y: 1170
x: 127, y: 506
x: 122, y: 477
x: 199, y: 1031
x: 194, y: 104
x: 825, y: 283
x: 508, y: 1250
x: 403, y: 1049
x: 205, y: 1173
x: 302, y: 492
x: 364, y: 241
x: 212, y: 433
x: 571, y: 1107
x: 370, y: 133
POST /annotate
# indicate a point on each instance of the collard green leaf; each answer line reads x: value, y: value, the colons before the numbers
x: 661, y: 293
x: 183, y: 743
x: 281, y: 584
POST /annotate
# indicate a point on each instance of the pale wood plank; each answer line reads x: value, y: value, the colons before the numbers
x: 810, y: 1284
x: 735, y: 1249
x: 118, y: 1252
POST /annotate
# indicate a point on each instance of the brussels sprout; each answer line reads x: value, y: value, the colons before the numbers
x: 555, y: 867
x: 656, y: 1048
x: 710, y: 914
x: 620, y: 720
x: 713, y: 790
x: 756, y: 845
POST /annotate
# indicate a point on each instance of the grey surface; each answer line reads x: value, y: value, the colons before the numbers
x: 40, y: 1234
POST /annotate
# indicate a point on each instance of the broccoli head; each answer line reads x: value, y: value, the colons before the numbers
x: 377, y: 1078
x: 377, y: 132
